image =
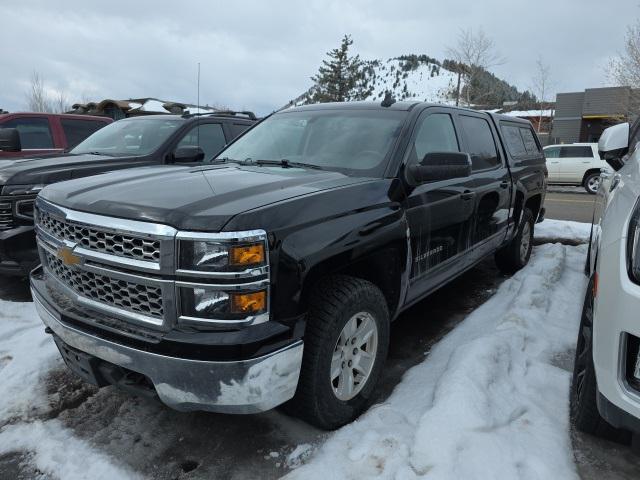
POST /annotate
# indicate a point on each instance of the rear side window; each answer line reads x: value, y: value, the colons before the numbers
x: 34, y: 132
x: 480, y: 143
x: 529, y: 141
x: 576, y: 152
x: 77, y: 130
x: 515, y: 143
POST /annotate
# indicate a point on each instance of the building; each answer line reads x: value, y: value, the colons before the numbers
x: 583, y: 116
x: 118, y: 109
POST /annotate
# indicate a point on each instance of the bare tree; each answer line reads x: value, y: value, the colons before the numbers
x: 476, y: 52
x: 541, y: 85
x: 37, y: 99
x: 40, y: 99
x: 624, y: 69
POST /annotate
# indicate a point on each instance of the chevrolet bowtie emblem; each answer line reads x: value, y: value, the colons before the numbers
x: 66, y: 255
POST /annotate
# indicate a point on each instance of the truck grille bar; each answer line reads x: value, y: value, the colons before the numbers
x: 6, y: 215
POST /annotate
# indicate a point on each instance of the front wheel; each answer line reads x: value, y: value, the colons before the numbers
x: 517, y: 252
x: 345, y: 346
x: 591, y: 183
x: 583, y: 406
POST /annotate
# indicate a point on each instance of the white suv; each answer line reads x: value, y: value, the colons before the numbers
x: 575, y: 164
x: 605, y: 391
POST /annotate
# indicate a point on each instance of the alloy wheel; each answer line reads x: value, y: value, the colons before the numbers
x: 354, y: 355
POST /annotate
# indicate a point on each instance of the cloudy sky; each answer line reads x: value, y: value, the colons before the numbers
x: 260, y: 54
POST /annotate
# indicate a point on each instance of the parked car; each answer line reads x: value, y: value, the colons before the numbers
x: 575, y: 164
x: 605, y: 392
x: 131, y: 142
x: 272, y: 275
x: 29, y: 134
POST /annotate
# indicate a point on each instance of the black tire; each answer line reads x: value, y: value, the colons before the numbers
x: 510, y: 258
x: 583, y: 408
x: 333, y: 302
x: 588, y: 183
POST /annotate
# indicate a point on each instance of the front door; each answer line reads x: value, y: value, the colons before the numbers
x: 439, y: 213
x: 552, y: 154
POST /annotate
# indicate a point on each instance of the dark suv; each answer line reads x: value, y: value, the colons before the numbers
x: 272, y: 273
x: 132, y: 142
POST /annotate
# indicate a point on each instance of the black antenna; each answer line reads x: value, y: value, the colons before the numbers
x: 388, y: 100
x: 198, y: 105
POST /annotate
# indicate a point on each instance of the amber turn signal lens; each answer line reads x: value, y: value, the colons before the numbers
x: 247, y: 254
x: 249, y: 302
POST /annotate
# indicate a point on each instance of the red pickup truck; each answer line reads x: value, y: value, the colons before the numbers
x: 43, y: 133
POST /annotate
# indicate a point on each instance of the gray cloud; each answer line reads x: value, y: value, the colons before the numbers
x: 258, y: 55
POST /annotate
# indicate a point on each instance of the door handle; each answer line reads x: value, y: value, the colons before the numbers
x: 466, y: 195
x: 504, y: 184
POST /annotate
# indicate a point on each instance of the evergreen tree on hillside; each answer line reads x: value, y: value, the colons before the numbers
x: 340, y: 77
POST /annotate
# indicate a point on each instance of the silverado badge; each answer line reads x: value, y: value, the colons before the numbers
x: 66, y: 255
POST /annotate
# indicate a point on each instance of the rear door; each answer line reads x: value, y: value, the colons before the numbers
x: 575, y: 160
x: 439, y: 213
x: 76, y: 130
x: 491, y: 183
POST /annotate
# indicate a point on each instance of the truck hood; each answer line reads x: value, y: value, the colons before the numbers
x: 190, y: 198
x: 53, y: 168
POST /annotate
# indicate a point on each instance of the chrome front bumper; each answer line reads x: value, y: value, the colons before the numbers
x: 246, y: 386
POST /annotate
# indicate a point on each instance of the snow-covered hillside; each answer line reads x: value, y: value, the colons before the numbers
x: 414, y: 78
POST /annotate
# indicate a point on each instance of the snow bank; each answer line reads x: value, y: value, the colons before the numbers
x: 488, y: 402
x: 26, y: 352
x: 562, y: 230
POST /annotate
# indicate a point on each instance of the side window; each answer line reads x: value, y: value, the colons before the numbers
x: 238, y: 128
x: 529, y: 141
x: 435, y: 133
x: 576, y: 152
x: 480, y: 143
x: 553, y: 152
x: 634, y: 136
x: 77, y: 130
x: 514, y: 141
x: 208, y: 136
x: 34, y: 132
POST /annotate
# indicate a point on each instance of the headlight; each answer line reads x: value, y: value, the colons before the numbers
x: 219, y: 254
x: 230, y: 272
x: 633, y: 248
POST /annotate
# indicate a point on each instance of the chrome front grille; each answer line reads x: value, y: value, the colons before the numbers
x: 134, y: 297
x: 91, y: 238
x: 6, y: 215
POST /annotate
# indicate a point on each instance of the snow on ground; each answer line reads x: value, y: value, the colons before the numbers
x: 27, y: 354
x: 488, y: 401
x: 562, y: 230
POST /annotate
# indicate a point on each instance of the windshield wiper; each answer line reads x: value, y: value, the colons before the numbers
x: 222, y: 160
x: 284, y: 163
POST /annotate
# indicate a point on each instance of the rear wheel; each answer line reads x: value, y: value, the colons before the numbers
x: 591, y: 183
x: 345, y: 346
x: 584, y: 389
x: 516, y: 254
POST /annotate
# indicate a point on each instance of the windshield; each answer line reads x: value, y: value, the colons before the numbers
x: 352, y: 141
x: 129, y: 137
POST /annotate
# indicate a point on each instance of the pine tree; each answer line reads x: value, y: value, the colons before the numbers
x: 340, y: 78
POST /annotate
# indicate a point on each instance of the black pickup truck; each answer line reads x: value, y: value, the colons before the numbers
x: 132, y: 142
x: 272, y: 273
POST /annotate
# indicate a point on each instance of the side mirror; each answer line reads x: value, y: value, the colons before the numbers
x: 441, y: 166
x: 614, y: 145
x: 188, y: 154
x: 10, y: 140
